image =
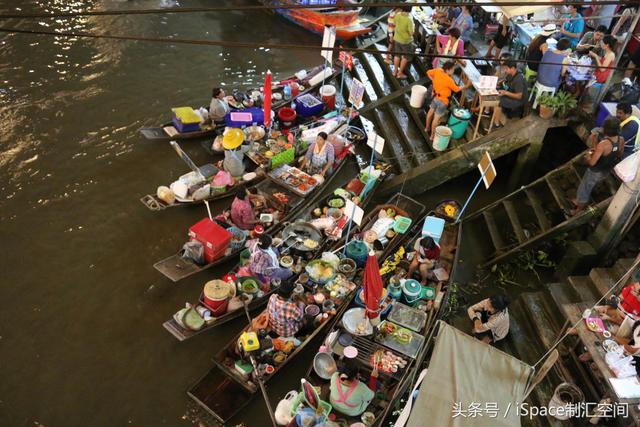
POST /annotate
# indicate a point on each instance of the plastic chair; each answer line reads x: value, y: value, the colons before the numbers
x: 530, y: 75
x: 540, y: 89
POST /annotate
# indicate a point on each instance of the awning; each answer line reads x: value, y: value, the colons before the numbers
x: 466, y: 375
x: 511, y: 11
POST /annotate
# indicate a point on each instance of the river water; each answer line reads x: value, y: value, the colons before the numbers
x: 81, y: 306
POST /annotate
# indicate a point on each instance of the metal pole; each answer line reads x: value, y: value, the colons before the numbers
x: 472, y: 193
x: 346, y: 239
x: 605, y: 86
x: 373, y: 153
x: 344, y: 60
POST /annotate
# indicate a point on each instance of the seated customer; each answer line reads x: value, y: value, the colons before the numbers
x: 242, y: 214
x: 426, y: 258
x: 490, y: 319
x: 349, y: 395
x: 285, y: 315
x: 553, y: 65
x: 513, y: 94
x: 264, y: 261
x: 626, y: 304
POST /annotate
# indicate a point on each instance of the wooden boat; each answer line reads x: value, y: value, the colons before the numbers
x: 167, y: 131
x: 346, y: 21
x: 214, y: 388
x: 392, y: 385
x: 305, y: 215
x: 153, y: 203
x: 177, y: 268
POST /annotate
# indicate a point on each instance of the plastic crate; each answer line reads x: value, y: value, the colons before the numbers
x: 402, y: 224
x: 433, y: 227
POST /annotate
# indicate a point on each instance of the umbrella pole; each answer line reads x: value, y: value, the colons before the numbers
x: 258, y: 377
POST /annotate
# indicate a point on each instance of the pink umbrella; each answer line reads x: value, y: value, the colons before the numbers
x: 267, y: 99
x: 372, y: 286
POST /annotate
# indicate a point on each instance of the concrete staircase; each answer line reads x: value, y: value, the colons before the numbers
x: 537, y: 320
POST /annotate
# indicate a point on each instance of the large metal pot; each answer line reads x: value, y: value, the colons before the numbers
x: 296, y: 233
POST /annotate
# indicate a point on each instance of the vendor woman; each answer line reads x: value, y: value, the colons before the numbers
x: 285, y: 315
x: 349, y: 395
x: 490, y: 318
x: 426, y: 257
x: 320, y: 157
x: 219, y: 106
x: 264, y: 261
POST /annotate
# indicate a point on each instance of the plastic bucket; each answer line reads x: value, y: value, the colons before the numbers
x: 441, y: 140
x: 566, y: 395
x: 287, y: 116
x: 418, y: 93
x: 328, y: 94
x: 458, y: 122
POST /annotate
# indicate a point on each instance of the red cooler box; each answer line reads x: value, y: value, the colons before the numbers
x: 214, y: 238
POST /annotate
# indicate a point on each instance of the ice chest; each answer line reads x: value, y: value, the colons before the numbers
x: 185, y: 119
x: 214, y: 238
x: 308, y: 105
x: 246, y: 117
x: 433, y: 227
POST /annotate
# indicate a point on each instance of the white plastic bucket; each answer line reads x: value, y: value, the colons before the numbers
x: 441, y: 140
x: 418, y: 92
x: 565, y: 397
x: 327, y: 90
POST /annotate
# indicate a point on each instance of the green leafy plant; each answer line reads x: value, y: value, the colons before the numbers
x: 548, y: 101
x: 565, y: 102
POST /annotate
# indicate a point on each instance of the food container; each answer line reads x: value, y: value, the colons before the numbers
x: 411, y: 290
x: 312, y: 310
x: 347, y: 267
x: 286, y: 261
x: 216, y: 295
x: 324, y: 365
x: 249, y: 285
x: 308, y: 106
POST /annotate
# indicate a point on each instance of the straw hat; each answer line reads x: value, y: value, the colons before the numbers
x: 217, y: 289
x: 232, y: 139
x: 548, y: 29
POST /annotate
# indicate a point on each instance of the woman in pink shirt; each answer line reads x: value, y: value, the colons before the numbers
x: 450, y: 44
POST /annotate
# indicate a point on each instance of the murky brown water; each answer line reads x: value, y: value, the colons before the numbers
x: 81, y: 307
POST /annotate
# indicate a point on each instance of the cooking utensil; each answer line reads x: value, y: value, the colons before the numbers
x: 324, y: 365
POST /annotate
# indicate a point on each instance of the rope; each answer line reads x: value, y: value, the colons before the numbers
x: 116, y: 12
x: 626, y: 274
x: 247, y: 45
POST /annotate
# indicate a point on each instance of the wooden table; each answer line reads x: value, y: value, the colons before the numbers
x: 481, y: 98
x: 589, y: 339
x: 426, y: 35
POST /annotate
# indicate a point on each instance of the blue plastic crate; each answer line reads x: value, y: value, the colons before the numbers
x: 308, y: 105
x: 257, y: 116
x: 183, y: 128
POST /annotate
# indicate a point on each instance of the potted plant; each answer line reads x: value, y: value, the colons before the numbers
x: 548, y: 106
x: 565, y: 102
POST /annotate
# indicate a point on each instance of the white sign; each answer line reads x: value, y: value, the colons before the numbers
x: 487, y: 165
x: 328, y: 41
x: 488, y: 85
x: 375, y: 141
x: 354, y: 212
x: 356, y: 92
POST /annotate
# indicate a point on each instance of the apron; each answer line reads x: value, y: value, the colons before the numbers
x: 448, y: 50
x: 318, y: 160
x: 343, y: 397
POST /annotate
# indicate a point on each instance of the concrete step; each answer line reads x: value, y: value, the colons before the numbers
x: 621, y: 267
x: 603, y: 280
x: 560, y: 294
x: 585, y: 288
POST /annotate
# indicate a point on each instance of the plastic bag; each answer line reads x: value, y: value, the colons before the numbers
x: 621, y: 366
x: 627, y: 169
x: 283, y: 410
x: 194, y: 251
x: 331, y: 258
x: 222, y: 179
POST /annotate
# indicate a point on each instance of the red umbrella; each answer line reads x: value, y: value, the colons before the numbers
x: 267, y: 99
x: 372, y: 286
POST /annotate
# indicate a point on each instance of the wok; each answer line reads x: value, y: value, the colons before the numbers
x: 296, y: 233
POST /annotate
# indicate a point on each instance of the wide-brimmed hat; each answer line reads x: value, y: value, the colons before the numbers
x: 232, y: 139
x: 549, y: 29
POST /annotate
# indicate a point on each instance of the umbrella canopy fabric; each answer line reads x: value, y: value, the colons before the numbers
x: 267, y: 99
x: 464, y: 371
x: 372, y: 286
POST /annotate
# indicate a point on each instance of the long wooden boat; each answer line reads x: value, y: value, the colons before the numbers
x: 167, y: 131
x: 177, y: 268
x: 224, y: 382
x: 154, y: 203
x: 346, y: 21
x: 392, y: 385
x: 306, y: 215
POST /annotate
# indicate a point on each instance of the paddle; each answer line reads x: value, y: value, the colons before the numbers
x: 187, y: 159
x: 258, y: 377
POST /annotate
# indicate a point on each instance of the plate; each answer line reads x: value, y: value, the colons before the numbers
x: 611, y: 346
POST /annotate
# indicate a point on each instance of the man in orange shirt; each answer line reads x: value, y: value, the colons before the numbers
x: 443, y: 86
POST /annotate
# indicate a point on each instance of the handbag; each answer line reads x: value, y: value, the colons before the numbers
x: 626, y: 170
